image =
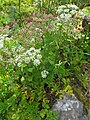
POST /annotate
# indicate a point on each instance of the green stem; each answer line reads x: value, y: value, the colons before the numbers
x: 19, y: 6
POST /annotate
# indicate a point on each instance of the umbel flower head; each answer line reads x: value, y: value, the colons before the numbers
x: 44, y: 73
x: 2, y: 38
x: 30, y: 56
x: 68, y: 11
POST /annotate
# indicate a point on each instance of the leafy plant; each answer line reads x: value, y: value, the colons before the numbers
x: 53, y: 62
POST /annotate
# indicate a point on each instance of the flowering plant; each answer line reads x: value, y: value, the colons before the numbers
x: 67, y: 11
x: 33, y: 76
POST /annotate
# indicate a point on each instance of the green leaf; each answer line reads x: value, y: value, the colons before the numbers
x: 30, y: 70
x: 42, y: 113
x: 30, y: 78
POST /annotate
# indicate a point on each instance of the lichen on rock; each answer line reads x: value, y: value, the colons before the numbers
x: 70, y: 108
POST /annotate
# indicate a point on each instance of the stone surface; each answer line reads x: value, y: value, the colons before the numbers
x: 86, y: 23
x: 70, y: 108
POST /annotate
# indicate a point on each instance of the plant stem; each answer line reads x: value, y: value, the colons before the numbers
x: 19, y: 6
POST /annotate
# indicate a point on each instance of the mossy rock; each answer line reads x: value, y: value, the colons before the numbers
x: 84, y: 99
x: 86, y: 23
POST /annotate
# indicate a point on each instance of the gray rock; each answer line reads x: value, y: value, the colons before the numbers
x: 86, y: 23
x: 70, y: 108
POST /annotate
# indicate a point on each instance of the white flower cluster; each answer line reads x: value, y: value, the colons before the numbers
x: 1, y: 43
x: 2, y: 38
x: 67, y: 11
x: 18, y: 55
x: 44, y: 73
x: 31, y: 55
x: 17, y: 49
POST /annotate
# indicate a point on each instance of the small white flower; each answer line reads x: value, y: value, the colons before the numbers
x: 23, y: 55
x: 10, y: 60
x: 5, y: 35
x: 22, y: 79
x: 32, y: 57
x: 37, y: 29
x: 62, y: 16
x: 39, y: 56
x: 79, y: 36
x: 74, y: 7
x: 27, y: 60
x: 13, y: 49
x: 32, y: 49
x: 44, y: 73
x: 20, y: 49
x: 83, y: 35
x: 33, y: 40
x: 62, y: 6
x: 1, y: 36
x: 81, y: 13
x: 29, y: 53
x: 1, y: 43
x: 68, y: 16
x: 18, y: 58
x: 65, y: 16
x: 76, y: 38
x: 37, y: 51
x: 66, y: 10
x: 68, y: 5
x: 59, y: 11
x: 87, y: 38
x: 19, y: 64
x: 36, y: 62
x: 7, y: 38
x: 34, y: 54
x: 73, y: 12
